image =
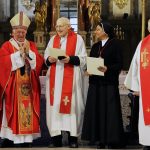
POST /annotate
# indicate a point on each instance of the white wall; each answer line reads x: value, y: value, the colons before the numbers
x: 117, y: 12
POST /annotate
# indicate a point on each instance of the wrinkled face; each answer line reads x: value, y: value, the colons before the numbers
x: 148, y: 25
x: 62, y: 29
x: 19, y: 34
x: 99, y: 32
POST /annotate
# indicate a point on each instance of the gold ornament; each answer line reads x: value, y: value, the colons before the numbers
x: 145, y: 59
x: 40, y: 15
x: 94, y: 12
x: 121, y: 3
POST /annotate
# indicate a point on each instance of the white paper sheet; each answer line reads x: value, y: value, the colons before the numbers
x: 92, y: 65
x: 55, y: 52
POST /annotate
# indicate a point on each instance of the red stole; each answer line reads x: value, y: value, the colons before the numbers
x: 145, y: 78
x: 67, y: 85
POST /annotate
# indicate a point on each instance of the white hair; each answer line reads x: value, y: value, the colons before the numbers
x: 63, y: 20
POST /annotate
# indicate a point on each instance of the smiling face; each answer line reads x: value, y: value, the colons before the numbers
x: 19, y: 34
x: 100, y: 34
x: 62, y: 26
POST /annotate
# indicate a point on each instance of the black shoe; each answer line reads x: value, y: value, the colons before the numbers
x: 146, y: 148
x: 52, y: 145
x: 73, y: 141
x: 28, y: 145
x: 74, y: 145
x: 7, y: 143
x: 56, y: 141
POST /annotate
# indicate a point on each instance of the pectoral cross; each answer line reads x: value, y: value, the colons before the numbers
x: 66, y: 100
x: 144, y: 59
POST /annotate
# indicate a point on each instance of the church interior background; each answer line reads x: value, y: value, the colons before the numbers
x: 129, y: 18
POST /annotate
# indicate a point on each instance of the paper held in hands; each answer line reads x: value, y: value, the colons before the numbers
x: 55, y: 52
x: 93, y: 64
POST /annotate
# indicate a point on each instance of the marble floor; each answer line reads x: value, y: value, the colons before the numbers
x: 65, y: 148
x: 81, y: 147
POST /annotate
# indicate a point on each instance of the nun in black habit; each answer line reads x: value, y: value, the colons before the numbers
x: 103, y: 118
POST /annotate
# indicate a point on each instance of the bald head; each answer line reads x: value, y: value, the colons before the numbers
x: 63, y: 21
x: 63, y: 26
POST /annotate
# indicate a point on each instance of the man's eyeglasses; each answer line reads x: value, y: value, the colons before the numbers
x: 59, y: 26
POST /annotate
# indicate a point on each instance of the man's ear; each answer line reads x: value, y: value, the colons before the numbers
x: 69, y: 26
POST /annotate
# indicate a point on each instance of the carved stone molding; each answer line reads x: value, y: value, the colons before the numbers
x: 121, y: 3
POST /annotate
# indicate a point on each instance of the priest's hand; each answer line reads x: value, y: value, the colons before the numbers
x: 65, y: 60
x: 52, y: 59
x: 87, y: 74
x: 136, y: 93
x: 26, y: 47
x: 22, y: 53
x: 102, y: 69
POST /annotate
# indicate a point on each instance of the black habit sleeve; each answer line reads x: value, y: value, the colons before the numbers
x: 48, y: 63
x: 74, y: 60
x: 117, y: 58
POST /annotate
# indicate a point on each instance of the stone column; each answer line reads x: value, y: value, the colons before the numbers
x: 81, y: 14
x: 135, y: 9
x: 105, y: 9
x: 143, y: 18
x: 82, y: 8
x: 4, y: 9
x: 40, y: 40
x: 13, y: 7
x: 54, y: 5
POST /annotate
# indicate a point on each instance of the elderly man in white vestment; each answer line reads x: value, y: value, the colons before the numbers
x: 138, y: 80
x: 64, y: 88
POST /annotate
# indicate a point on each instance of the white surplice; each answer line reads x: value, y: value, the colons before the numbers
x: 132, y: 82
x: 56, y: 121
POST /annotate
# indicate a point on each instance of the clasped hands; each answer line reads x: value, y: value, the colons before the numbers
x: 24, y: 50
x: 53, y: 60
x: 136, y: 93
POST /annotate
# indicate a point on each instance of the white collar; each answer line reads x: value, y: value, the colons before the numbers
x: 104, y: 41
x: 15, y: 43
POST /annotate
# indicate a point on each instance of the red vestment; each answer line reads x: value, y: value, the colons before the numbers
x: 9, y: 81
x: 67, y: 86
x: 144, y: 77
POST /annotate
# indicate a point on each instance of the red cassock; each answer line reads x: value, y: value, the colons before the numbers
x: 20, y: 93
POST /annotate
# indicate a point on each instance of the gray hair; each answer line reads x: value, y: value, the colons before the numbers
x: 63, y: 20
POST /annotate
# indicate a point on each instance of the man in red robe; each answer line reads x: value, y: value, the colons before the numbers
x: 138, y: 81
x: 20, y: 65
